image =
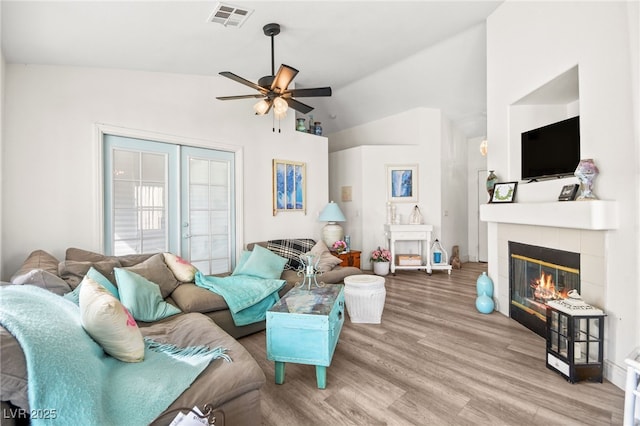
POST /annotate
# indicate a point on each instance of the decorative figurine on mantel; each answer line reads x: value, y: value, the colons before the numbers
x: 491, y: 180
x: 586, y: 172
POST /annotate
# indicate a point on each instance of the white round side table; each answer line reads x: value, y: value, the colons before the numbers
x: 364, y: 296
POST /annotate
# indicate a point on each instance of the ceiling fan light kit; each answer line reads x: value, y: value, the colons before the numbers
x: 274, y: 89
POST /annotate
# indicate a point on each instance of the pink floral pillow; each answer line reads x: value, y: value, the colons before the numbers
x: 183, y: 270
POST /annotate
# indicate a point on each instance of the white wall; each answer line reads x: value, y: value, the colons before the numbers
x: 51, y: 188
x: 475, y: 163
x: 453, y: 182
x: 419, y: 136
x: 595, y: 36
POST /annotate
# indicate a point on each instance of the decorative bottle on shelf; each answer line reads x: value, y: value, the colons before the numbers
x: 436, y: 249
x: 311, y: 128
x: 317, y: 128
x: 301, y: 127
x: 491, y: 180
x: 389, y: 214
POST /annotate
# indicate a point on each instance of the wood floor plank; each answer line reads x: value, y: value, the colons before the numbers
x: 434, y: 360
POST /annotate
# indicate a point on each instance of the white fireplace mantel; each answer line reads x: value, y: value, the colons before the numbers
x: 591, y: 215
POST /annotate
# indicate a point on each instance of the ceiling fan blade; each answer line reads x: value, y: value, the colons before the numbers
x: 244, y: 81
x: 229, y: 98
x: 298, y: 106
x: 283, y: 78
x: 309, y: 93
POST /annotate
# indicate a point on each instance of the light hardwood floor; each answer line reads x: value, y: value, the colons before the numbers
x: 434, y: 360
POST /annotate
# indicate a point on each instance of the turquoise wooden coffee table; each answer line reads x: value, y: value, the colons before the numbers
x: 303, y: 328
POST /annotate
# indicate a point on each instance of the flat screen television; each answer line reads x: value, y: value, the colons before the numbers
x: 552, y: 150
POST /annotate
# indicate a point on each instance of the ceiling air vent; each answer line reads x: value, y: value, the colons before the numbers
x: 229, y: 15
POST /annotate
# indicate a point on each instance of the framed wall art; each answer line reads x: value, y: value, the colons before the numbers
x: 289, y: 180
x: 504, y: 192
x: 402, y: 183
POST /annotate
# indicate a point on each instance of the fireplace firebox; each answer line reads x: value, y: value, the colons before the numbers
x: 537, y: 275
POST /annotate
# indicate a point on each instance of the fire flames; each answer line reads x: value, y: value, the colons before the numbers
x: 544, y: 288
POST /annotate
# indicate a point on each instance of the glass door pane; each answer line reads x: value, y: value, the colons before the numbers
x: 140, y: 189
x: 208, y: 237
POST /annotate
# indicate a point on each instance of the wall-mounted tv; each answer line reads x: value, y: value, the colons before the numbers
x: 552, y: 150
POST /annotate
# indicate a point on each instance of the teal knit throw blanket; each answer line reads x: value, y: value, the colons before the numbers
x: 72, y: 381
x: 249, y: 298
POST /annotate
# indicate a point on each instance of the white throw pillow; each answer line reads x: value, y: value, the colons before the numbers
x: 109, y: 323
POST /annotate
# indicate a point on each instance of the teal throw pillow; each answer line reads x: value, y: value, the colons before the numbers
x: 93, y: 273
x: 262, y: 263
x: 142, y: 297
x: 243, y: 259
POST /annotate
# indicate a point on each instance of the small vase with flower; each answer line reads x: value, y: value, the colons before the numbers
x: 339, y: 246
x: 380, y: 258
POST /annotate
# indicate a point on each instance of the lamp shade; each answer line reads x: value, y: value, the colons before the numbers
x: 331, y: 213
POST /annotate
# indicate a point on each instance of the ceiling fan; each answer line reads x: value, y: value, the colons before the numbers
x: 273, y: 89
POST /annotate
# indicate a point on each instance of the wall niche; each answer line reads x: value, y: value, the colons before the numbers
x: 554, y: 101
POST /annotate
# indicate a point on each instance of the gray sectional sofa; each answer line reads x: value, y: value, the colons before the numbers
x: 232, y: 389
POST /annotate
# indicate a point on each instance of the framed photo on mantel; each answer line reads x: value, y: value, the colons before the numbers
x: 504, y: 192
x: 568, y: 192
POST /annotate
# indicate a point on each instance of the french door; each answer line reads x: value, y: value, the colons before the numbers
x: 166, y: 197
x: 208, y: 211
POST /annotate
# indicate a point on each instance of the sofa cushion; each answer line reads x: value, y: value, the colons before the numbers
x: 82, y: 255
x: 262, y: 263
x: 221, y: 381
x: 44, y: 279
x: 291, y: 249
x: 38, y: 259
x: 92, y: 273
x: 73, y: 271
x: 142, y: 297
x: 109, y: 323
x: 326, y: 261
x: 156, y: 270
x: 191, y: 298
x: 338, y: 274
x: 13, y: 371
x: 183, y: 270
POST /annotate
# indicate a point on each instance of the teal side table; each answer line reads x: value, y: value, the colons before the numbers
x: 304, y: 327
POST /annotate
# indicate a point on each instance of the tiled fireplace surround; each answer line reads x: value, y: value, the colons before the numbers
x: 579, y: 227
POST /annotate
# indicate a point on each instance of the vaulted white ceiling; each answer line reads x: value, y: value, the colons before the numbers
x: 380, y: 57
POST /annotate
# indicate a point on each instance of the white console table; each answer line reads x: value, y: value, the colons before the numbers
x: 419, y: 233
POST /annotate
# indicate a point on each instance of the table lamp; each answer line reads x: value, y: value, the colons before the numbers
x: 332, y: 232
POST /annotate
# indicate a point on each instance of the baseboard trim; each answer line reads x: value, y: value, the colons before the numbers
x: 615, y: 374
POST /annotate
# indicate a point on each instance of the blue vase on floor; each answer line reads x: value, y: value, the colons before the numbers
x: 484, y: 284
x: 484, y: 304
